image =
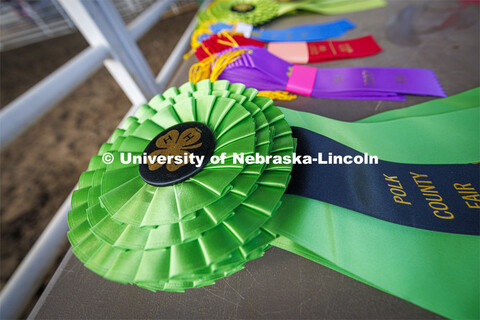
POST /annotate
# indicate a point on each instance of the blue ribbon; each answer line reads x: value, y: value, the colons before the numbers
x: 433, y: 197
x: 307, y: 32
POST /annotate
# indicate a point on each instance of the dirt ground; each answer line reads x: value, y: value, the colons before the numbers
x: 40, y: 168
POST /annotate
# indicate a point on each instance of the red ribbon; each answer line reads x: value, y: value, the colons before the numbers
x: 320, y: 51
x: 297, y: 52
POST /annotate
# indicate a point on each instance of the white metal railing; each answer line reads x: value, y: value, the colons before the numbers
x: 102, y: 26
x: 24, y: 22
x: 26, y: 109
x: 25, y: 281
x: 29, y: 21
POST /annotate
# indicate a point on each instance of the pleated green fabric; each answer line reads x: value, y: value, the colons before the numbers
x: 435, y: 270
x: 191, y: 233
x: 254, y: 12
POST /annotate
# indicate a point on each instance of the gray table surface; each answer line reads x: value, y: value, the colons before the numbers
x: 439, y: 35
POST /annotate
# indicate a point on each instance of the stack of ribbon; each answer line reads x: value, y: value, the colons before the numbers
x: 268, y: 61
x: 300, y: 44
x: 408, y: 225
x: 432, y: 264
x: 307, y: 32
x: 301, y: 52
x: 256, y: 67
x: 403, y: 225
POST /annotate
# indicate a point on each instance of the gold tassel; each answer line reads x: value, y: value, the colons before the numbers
x: 188, y: 54
x: 202, y: 28
x: 228, y: 35
x: 213, y: 66
x: 200, y: 71
x: 278, y: 95
x: 223, y: 61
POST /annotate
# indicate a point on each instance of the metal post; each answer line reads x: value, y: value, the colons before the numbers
x: 63, y: 14
x: 101, y: 25
x: 26, y: 109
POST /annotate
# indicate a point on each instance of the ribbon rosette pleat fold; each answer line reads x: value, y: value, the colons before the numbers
x: 255, y: 12
x: 191, y: 233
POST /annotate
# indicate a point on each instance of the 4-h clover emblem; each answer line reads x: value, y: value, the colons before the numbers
x: 168, y: 154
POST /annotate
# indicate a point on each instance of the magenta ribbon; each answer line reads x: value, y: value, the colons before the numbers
x: 258, y: 68
x: 302, y: 80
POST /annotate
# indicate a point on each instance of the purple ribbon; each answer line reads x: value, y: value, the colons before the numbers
x: 261, y: 70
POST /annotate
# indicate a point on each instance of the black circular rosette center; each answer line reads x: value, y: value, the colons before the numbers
x: 243, y: 7
x: 177, y: 153
x: 254, y: 12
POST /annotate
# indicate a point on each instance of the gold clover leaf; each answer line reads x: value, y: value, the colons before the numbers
x: 174, y: 144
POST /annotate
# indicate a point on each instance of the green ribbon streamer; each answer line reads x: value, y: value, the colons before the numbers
x: 258, y: 12
x: 465, y: 100
x: 329, y: 7
x: 438, y: 271
x: 391, y: 139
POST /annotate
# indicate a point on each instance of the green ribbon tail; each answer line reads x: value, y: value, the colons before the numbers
x: 465, y: 100
x: 435, y: 270
x: 329, y: 7
x: 446, y: 138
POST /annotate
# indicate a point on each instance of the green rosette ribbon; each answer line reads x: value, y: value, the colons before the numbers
x: 191, y: 233
x: 249, y: 11
x: 258, y: 12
